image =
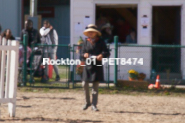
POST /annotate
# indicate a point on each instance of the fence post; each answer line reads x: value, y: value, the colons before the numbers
x: 31, y: 61
x: 25, y: 43
x: 69, y: 72
x: 108, y: 68
x: 13, y: 79
x: 116, y: 56
x: 73, y: 67
x: 3, y: 62
x: 8, y: 70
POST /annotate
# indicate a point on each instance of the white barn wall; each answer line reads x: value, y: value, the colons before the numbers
x: 144, y: 8
x: 81, y: 8
x: 183, y: 40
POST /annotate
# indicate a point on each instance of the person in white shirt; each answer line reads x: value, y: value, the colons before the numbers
x: 50, y: 37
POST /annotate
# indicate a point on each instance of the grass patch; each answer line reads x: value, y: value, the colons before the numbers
x: 112, y: 90
x: 139, y: 91
x: 63, y: 73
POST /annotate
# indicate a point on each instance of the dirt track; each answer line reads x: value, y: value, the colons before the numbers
x: 66, y: 107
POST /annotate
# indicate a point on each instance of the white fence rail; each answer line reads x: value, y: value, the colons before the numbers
x: 9, y: 53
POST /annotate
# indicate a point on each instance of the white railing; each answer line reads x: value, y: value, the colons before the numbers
x: 9, y: 53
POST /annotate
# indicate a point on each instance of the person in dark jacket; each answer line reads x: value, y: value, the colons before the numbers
x: 33, y: 37
x: 7, y: 34
x: 93, y: 47
x: 33, y: 34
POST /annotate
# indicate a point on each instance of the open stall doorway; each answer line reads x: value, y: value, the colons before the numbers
x: 166, y: 30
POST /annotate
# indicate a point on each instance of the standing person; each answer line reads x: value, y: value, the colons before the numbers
x: 50, y: 37
x: 7, y: 34
x: 93, y: 46
x: 33, y: 34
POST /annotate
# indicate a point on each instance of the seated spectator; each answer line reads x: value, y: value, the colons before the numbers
x: 106, y: 31
x: 33, y: 37
x: 21, y: 55
x: 131, y: 38
x: 8, y: 35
